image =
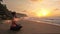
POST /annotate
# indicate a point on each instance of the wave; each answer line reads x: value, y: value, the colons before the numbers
x: 50, y: 20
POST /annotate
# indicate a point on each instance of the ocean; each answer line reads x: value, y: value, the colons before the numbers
x: 50, y: 20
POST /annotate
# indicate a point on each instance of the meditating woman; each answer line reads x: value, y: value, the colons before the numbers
x: 14, y: 26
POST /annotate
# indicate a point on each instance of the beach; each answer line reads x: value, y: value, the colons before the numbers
x: 31, y: 27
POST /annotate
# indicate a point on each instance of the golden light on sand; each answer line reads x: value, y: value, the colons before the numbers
x: 43, y: 13
x: 7, y: 21
x: 10, y: 21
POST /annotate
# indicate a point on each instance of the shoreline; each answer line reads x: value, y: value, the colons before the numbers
x: 46, y: 22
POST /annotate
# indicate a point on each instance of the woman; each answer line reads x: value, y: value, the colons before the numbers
x: 14, y: 26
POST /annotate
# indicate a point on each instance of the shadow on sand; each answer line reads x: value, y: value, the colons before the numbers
x: 9, y: 32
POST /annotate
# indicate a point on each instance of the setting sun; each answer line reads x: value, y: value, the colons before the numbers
x: 43, y: 13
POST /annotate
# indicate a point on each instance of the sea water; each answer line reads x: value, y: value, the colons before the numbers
x: 50, y: 20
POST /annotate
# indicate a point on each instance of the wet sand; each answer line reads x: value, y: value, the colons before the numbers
x: 31, y: 27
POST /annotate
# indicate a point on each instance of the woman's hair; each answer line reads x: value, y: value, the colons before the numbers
x: 14, y: 14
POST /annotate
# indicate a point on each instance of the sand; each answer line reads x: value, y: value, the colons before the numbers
x: 31, y: 27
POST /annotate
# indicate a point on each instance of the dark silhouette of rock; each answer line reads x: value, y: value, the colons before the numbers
x: 1, y: 0
x: 21, y: 15
x: 4, y: 12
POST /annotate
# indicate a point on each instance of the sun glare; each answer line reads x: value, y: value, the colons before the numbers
x: 43, y: 13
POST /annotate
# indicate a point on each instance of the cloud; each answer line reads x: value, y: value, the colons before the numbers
x: 35, y: 0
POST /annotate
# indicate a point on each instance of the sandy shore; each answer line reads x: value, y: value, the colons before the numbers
x: 31, y: 27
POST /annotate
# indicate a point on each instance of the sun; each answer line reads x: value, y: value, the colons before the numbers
x: 43, y: 13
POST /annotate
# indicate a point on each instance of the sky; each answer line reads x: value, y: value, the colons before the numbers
x: 31, y: 7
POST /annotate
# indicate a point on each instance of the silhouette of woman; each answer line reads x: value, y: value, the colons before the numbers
x: 14, y: 26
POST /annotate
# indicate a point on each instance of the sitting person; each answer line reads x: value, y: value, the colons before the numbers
x: 15, y: 26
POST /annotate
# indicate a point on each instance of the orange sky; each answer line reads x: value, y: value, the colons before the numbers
x: 33, y: 6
